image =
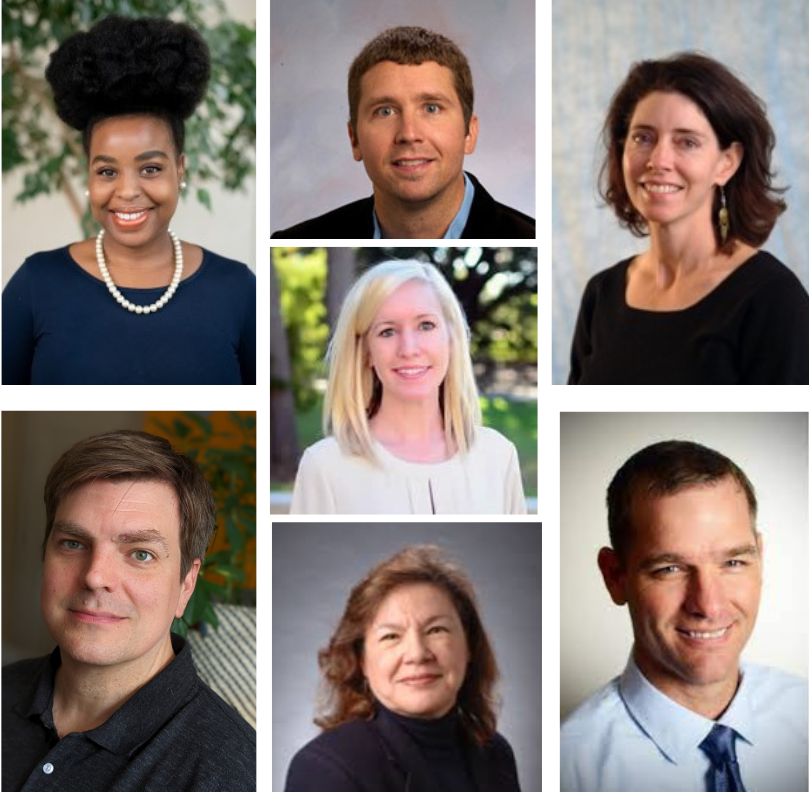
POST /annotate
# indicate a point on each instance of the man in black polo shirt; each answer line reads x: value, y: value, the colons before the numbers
x: 410, y: 100
x: 118, y: 704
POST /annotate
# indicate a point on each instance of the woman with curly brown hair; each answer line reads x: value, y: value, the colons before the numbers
x: 409, y: 675
x: 688, y: 164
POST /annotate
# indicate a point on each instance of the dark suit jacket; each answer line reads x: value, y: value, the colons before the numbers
x: 379, y: 756
x: 487, y: 219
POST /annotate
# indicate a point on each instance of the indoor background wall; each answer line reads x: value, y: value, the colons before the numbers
x: 316, y: 565
x: 594, y: 44
x: 312, y: 45
x: 771, y: 448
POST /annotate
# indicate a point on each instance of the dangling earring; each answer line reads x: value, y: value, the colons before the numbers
x: 724, y: 216
x: 86, y: 193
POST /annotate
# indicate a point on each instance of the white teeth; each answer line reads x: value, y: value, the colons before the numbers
x: 133, y: 216
x: 661, y: 188
x: 714, y: 634
x: 410, y: 371
x: 412, y: 162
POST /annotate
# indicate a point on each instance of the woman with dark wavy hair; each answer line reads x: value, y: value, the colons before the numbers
x: 688, y: 164
x: 133, y: 305
x: 409, y: 677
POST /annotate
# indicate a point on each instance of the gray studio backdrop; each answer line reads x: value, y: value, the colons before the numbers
x: 594, y: 44
x: 312, y: 45
x: 771, y: 448
x: 316, y: 565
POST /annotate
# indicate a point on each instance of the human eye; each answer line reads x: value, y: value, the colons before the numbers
x: 432, y: 108
x: 641, y: 138
x: 384, y: 112
x: 689, y: 144
x: 71, y: 544
x: 386, y: 332
x: 142, y: 555
x: 437, y: 628
x: 388, y: 636
x: 151, y: 170
x: 106, y: 173
x: 666, y: 571
x: 427, y: 324
x: 736, y: 563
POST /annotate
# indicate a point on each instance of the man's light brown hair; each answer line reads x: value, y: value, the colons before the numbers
x: 412, y: 46
x: 126, y: 455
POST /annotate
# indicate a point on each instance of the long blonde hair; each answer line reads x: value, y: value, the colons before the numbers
x: 353, y: 388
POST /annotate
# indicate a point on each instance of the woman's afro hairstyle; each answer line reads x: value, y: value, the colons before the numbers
x: 124, y: 65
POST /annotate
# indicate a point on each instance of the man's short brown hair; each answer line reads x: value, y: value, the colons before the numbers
x: 412, y: 46
x: 666, y: 468
x: 126, y: 455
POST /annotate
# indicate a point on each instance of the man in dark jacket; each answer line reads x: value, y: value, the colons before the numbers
x: 410, y: 99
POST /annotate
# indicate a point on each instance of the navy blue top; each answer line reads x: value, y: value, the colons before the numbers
x: 62, y: 327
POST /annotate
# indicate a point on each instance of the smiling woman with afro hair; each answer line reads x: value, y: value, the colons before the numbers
x: 133, y: 305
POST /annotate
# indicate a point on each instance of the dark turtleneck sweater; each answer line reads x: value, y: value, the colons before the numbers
x: 442, y: 744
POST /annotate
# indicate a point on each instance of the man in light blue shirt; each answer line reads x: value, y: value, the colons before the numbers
x: 686, y: 714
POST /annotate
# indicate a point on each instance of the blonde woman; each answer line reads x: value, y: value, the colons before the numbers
x: 401, y: 414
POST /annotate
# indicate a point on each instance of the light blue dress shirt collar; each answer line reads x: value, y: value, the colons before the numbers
x: 456, y: 227
x: 674, y: 729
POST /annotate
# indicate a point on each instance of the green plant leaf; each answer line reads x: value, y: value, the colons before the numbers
x: 180, y: 627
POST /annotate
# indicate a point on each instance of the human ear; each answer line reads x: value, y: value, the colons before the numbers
x: 355, y: 144
x: 612, y: 570
x: 181, y: 165
x: 187, y: 588
x: 732, y: 157
x: 471, y: 136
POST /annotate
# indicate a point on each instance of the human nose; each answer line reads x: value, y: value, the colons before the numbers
x: 416, y: 648
x: 128, y: 185
x: 706, y: 595
x: 99, y: 572
x: 409, y: 129
x: 408, y: 343
x: 660, y: 155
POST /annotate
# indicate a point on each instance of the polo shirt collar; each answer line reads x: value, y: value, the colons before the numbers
x: 143, y: 714
x: 676, y: 730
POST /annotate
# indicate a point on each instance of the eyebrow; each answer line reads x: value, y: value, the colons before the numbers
x: 676, y: 558
x: 144, y: 536
x: 146, y: 155
x: 427, y: 96
x: 431, y: 620
x: 678, y: 130
x: 427, y: 315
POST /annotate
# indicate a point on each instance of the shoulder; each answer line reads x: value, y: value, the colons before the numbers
x: 594, y: 715
x: 490, y: 441
x: 44, y: 264
x: 774, y: 690
x: 490, y: 218
x: 348, y: 221
x: 18, y: 676
x: 323, y: 452
x: 338, y: 759
x: 764, y: 273
x: 234, y: 271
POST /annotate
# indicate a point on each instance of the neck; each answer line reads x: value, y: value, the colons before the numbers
x: 156, y: 255
x: 413, y: 430
x: 677, y: 252
x: 85, y: 696
x: 709, y: 700
x: 427, y: 219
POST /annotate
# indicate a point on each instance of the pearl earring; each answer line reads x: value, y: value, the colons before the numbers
x: 86, y: 193
x: 183, y: 185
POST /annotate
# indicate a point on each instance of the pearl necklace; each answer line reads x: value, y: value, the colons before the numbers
x: 120, y: 299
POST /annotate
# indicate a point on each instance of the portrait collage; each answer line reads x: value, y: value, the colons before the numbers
x: 216, y: 372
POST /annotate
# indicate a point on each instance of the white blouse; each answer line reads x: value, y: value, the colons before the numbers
x: 485, y: 480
